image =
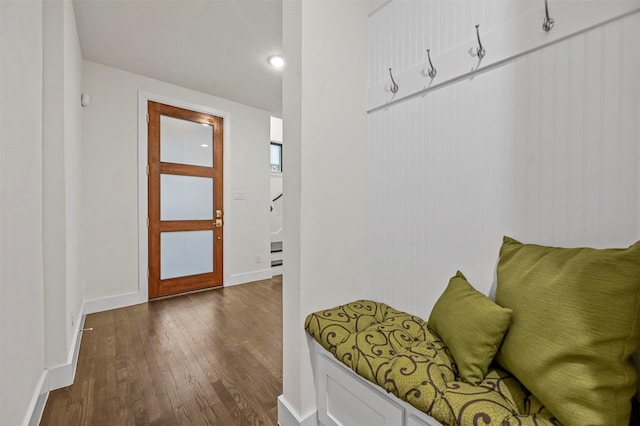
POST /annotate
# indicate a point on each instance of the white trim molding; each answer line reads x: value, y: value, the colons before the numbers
x: 514, y: 39
x: 38, y: 401
x: 376, y: 6
x: 56, y: 377
x: 113, y: 302
x: 63, y: 375
x: 249, y: 277
x: 288, y: 417
x: 277, y: 270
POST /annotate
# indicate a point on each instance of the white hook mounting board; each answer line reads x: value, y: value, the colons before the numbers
x: 502, y: 44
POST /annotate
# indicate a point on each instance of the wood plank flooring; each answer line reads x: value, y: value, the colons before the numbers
x: 208, y: 358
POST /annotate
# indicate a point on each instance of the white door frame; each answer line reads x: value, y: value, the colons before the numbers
x: 143, y: 234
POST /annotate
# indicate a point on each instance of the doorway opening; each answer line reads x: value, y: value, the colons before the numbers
x: 185, y: 200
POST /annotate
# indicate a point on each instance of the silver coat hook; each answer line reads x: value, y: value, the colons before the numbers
x: 548, y: 22
x: 394, y: 86
x: 432, y: 71
x: 480, y: 50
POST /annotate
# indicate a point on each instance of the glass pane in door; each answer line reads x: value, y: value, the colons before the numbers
x: 185, y: 142
x: 186, y: 197
x: 185, y: 253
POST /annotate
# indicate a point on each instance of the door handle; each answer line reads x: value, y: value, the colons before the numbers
x: 219, y: 213
x: 218, y: 223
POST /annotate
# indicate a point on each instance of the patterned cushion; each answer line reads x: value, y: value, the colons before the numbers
x: 398, y: 352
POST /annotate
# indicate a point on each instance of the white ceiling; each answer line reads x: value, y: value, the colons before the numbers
x: 219, y: 47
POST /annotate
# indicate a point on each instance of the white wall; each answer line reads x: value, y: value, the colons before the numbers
x: 325, y: 182
x: 110, y: 181
x: 61, y: 179
x: 39, y: 203
x: 73, y: 178
x: 54, y: 194
x: 544, y: 149
x: 275, y: 129
x: 21, y: 291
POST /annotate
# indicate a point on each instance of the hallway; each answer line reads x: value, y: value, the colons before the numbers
x: 213, y: 357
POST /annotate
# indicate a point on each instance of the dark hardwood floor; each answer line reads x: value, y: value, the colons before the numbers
x: 208, y: 358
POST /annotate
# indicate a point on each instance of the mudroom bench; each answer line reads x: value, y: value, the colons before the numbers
x: 408, y: 372
x: 559, y: 339
x: 345, y: 398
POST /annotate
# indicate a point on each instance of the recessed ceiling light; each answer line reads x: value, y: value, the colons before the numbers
x: 276, y: 61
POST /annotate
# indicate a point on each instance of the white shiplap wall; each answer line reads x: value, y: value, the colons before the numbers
x: 544, y: 149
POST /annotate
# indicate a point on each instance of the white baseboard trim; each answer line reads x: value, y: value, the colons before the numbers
x: 288, y: 417
x: 248, y: 277
x: 36, y: 416
x: 277, y: 270
x: 56, y: 377
x: 63, y: 375
x: 38, y: 401
x: 113, y: 302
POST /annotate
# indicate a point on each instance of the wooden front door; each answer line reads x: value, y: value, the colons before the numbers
x: 185, y: 200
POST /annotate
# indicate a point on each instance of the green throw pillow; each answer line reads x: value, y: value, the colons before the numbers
x: 471, y: 325
x: 575, y: 326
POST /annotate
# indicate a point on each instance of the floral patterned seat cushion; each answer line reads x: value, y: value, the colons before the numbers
x: 399, y: 352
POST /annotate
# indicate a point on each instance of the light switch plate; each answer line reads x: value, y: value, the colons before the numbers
x: 238, y: 195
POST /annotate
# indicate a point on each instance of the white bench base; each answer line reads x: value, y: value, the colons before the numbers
x: 343, y: 398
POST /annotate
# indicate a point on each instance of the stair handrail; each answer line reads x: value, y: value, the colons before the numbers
x: 274, y: 200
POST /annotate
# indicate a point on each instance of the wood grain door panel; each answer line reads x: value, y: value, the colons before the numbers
x: 159, y: 286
